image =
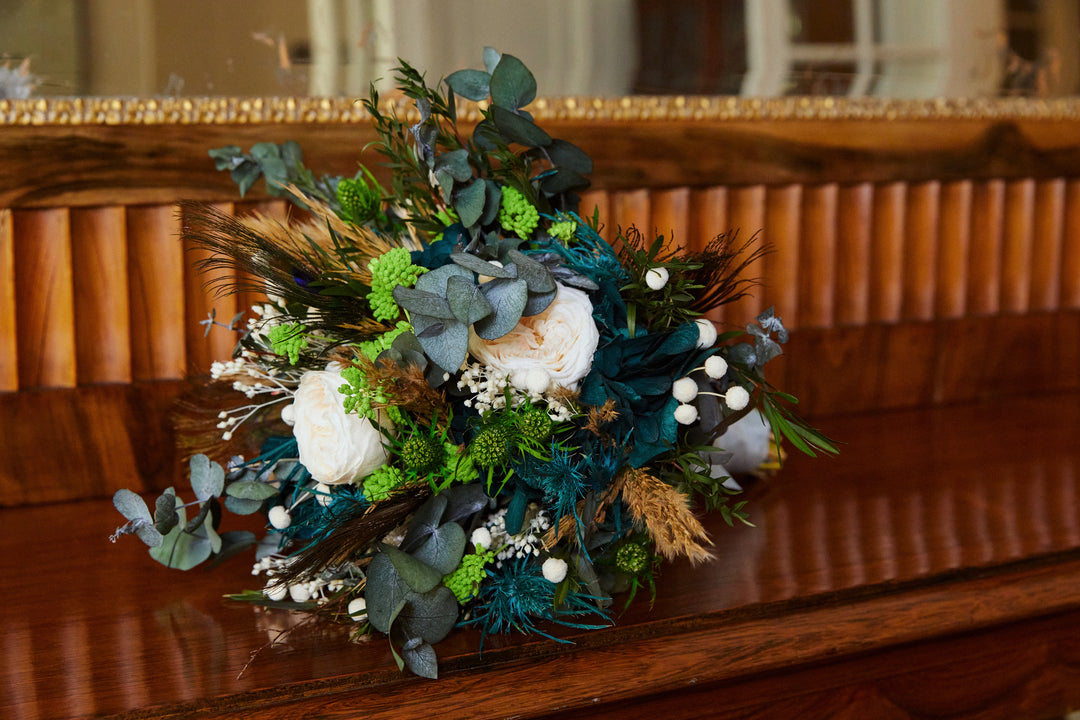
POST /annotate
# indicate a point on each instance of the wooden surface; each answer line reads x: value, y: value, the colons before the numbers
x: 932, y: 569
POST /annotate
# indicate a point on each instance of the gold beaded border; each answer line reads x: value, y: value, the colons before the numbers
x: 340, y: 110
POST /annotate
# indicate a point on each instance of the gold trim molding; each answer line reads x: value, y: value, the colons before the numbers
x: 340, y: 110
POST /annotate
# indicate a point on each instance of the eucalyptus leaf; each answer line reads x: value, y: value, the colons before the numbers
x: 183, y: 550
x: 469, y: 202
x: 491, y: 59
x: 470, y: 84
x: 512, y: 84
x: 743, y: 354
x: 563, y: 180
x: 416, y: 574
x: 443, y: 548
x: 131, y: 505
x: 462, y: 501
x: 429, y: 616
x: 165, y: 517
x: 207, y: 478
x: 423, y: 303
x: 567, y: 155
x: 492, y: 200
x: 508, y: 298
x: 434, y: 282
x: 264, y: 151
x: 518, y: 129
x: 446, y: 348
x: 538, y: 303
x: 149, y: 535
x: 251, y: 490
x: 244, y: 175
x: 536, y: 276
x: 226, y: 158
x: 467, y: 301
x: 425, y: 521
x: 445, y: 180
x: 242, y: 506
x: 385, y: 593
x: 421, y: 660
x: 480, y: 266
x: 455, y: 162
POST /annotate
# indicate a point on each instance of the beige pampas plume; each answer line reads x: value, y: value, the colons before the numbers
x: 666, y: 514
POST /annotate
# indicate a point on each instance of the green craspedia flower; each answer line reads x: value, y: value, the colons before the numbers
x: 631, y: 558
x: 535, y: 425
x: 392, y: 268
x: 491, y: 446
x: 359, y: 200
x: 379, y: 484
x: 288, y: 340
x: 458, y: 466
x: 422, y: 454
x: 517, y: 214
x: 563, y: 230
x: 372, y: 348
x: 465, y: 581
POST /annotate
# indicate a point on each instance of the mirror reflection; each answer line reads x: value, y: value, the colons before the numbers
x: 888, y: 48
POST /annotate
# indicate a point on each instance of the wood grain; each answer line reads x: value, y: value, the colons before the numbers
x: 156, y: 270
x: 922, y: 210
x: 102, y: 311
x: 1046, y: 250
x: 817, y: 257
x: 44, y: 299
x: 853, y: 252
x: 987, y: 233
x: 205, y: 344
x: 1016, y: 246
x: 953, y: 249
x: 746, y: 213
x: 9, y: 364
x: 887, y: 255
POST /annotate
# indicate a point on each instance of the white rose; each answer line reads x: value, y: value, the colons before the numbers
x: 560, y: 341
x: 335, y: 446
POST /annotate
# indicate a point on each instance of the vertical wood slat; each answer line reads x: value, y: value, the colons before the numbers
x: 1016, y: 246
x: 746, y: 212
x: 954, y: 232
x: 102, y: 313
x: 156, y: 271
x: 632, y: 208
x: 1070, y: 256
x: 201, y: 290
x: 887, y: 252
x: 9, y: 366
x: 920, y: 251
x: 783, y: 210
x: 670, y: 217
x: 44, y: 299
x: 853, y: 244
x: 987, y: 236
x: 1046, y: 249
x: 593, y: 201
x: 708, y: 219
x: 817, y: 256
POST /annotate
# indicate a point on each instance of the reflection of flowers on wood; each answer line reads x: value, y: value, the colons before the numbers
x: 465, y: 405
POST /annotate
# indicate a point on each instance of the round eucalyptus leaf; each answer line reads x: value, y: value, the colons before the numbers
x: 429, y: 616
x: 131, y: 505
x: 385, y: 593
x: 508, y: 297
x: 469, y: 84
x: 467, y: 301
x: 421, y: 660
x: 512, y: 84
x: 469, y: 203
x: 207, y: 478
x: 443, y: 548
x: 518, y: 129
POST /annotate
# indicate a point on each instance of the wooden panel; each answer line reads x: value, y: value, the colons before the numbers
x: 853, y: 252
x: 887, y: 252
x: 1070, y: 256
x: 920, y: 251
x: 44, y: 300
x: 954, y: 242
x: 746, y: 213
x: 631, y: 209
x: 9, y: 365
x: 102, y: 313
x: 1016, y: 246
x: 783, y: 222
x: 156, y: 270
x: 670, y: 216
x: 987, y: 237
x: 708, y: 219
x: 1046, y: 251
x: 205, y: 345
x: 594, y: 201
x: 817, y: 257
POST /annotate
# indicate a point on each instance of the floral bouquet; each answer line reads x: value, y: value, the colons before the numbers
x: 460, y: 405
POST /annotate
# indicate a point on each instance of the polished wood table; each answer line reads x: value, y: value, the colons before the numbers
x: 932, y: 570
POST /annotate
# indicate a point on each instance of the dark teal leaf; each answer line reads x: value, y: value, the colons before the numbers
x: 466, y: 300
x: 429, y: 616
x: 418, y: 575
x: 435, y: 281
x: 420, y: 302
x: 245, y: 175
x: 469, y: 84
x: 165, y: 517
x: 426, y: 520
x: 492, y: 199
x: 536, y: 276
x: 226, y: 158
x: 448, y: 347
x: 518, y: 129
x: 455, y: 162
x: 421, y: 661
x: 469, y: 203
x: 563, y: 180
x: 742, y: 354
x: 538, y: 302
x: 292, y: 153
x: 264, y: 151
x: 182, y: 550
x: 512, y: 84
x: 569, y: 156
x: 508, y: 298
x: 479, y: 266
x: 240, y: 506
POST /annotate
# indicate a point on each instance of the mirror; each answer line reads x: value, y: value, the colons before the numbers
x: 885, y: 48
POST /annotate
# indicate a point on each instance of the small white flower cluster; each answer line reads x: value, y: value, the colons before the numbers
x: 525, y: 543
x: 685, y: 389
x: 266, y: 382
x: 319, y: 589
x: 491, y: 387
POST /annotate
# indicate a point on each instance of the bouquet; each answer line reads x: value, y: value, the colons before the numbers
x: 459, y: 404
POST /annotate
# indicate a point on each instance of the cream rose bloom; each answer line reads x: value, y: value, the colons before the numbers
x: 560, y: 341
x: 336, y: 447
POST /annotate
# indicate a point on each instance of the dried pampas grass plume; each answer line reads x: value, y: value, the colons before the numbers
x: 666, y: 514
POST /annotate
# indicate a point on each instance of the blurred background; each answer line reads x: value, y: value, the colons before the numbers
x: 890, y: 48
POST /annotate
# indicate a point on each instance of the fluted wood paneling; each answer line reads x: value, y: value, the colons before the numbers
x: 746, y: 213
x: 853, y: 247
x: 205, y: 345
x: 1047, y: 234
x: 817, y: 257
x: 887, y: 258
x: 670, y: 211
x: 954, y: 230
x: 1070, y: 254
x: 102, y: 310
x: 156, y: 267
x: 1017, y: 245
x: 920, y: 251
x: 780, y: 268
x: 9, y: 364
x: 44, y: 299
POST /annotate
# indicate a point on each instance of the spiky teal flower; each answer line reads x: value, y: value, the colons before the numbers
x: 392, y: 268
x: 517, y: 214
